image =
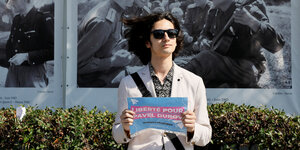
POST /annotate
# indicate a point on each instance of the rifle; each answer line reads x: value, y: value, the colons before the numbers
x: 220, y: 42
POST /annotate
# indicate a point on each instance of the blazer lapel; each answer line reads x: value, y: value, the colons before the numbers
x: 176, y: 83
x: 145, y: 75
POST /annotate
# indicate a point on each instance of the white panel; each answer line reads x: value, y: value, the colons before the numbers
x: 52, y: 94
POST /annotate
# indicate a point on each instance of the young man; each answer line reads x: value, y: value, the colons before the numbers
x: 30, y: 45
x: 231, y: 56
x: 156, y: 39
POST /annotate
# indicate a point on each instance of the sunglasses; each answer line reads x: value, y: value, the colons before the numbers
x: 159, y: 34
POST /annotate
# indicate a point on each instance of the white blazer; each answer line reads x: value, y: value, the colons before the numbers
x: 185, y: 84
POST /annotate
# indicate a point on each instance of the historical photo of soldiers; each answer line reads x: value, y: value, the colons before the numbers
x: 229, y: 43
x: 26, y: 43
x: 102, y: 55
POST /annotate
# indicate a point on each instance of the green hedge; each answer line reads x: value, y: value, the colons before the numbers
x: 239, y: 126
x: 76, y: 128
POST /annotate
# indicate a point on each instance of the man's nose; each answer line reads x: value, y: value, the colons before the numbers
x: 166, y: 37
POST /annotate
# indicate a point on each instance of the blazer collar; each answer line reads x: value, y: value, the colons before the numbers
x: 177, y: 80
x: 145, y: 75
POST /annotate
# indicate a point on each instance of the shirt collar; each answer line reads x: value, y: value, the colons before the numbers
x: 169, y: 75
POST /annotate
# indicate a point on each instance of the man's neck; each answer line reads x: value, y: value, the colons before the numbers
x: 226, y: 5
x: 161, y: 66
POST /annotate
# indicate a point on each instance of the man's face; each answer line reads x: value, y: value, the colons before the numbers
x: 17, y: 6
x: 165, y: 46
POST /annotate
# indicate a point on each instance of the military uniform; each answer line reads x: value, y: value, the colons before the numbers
x: 32, y: 34
x: 98, y: 34
x: 243, y: 64
x: 195, y: 19
x: 136, y: 11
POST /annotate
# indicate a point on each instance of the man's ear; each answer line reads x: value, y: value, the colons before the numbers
x: 148, y: 44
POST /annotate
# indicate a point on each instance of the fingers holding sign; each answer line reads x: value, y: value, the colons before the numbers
x: 188, y: 120
x: 127, y: 119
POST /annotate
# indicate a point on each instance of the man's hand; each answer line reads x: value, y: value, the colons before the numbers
x: 188, y: 120
x: 242, y: 16
x: 18, y: 59
x: 127, y: 120
x: 202, y: 44
x: 121, y: 58
x: 187, y: 38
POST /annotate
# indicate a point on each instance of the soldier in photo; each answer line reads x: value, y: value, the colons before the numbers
x: 185, y: 3
x: 30, y: 45
x: 100, y: 59
x: 175, y: 4
x: 231, y: 42
x: 195, y: 17
x: 156, y: 4
x: 178, y: 14
x: 139, y: 8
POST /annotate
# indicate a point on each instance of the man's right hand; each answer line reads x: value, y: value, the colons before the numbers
x: 187, y: 38
x: 201, y: 44
x: 18, y: 59
x: 127, y: 119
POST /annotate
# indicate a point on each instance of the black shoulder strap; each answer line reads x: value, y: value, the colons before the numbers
x: 138, y: 81
x: 175, y: 140
x: 145, y: 92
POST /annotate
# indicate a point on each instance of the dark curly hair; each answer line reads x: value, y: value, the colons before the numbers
x: 139, y: 30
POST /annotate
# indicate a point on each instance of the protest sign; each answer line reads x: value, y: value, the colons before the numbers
x: 157, y: 112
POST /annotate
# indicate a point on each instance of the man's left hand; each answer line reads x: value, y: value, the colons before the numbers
x: 188, y: 120
x: 18, y: 59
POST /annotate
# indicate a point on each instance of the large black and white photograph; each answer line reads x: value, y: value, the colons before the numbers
x: 26, y: 43
x: 102, y: 55
x: 229, y: 43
